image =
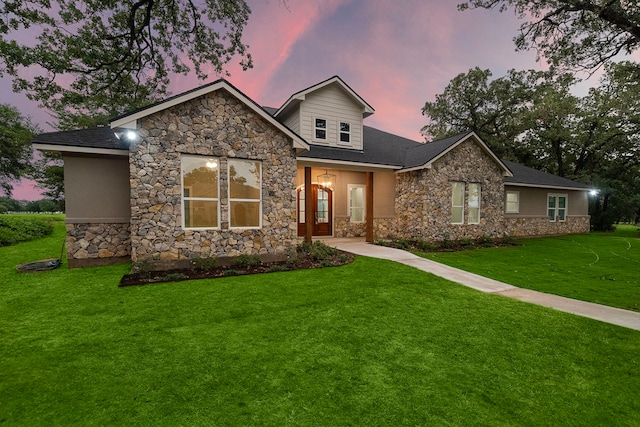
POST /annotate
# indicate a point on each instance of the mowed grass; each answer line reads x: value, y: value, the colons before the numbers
x: 598, y: 267
x: 371, y: 343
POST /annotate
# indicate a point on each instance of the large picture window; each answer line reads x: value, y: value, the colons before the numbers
x: 200, y: 189
x: 473, y: 215
x: 457, y: 202
x: 245, y: 193
x: 557, y: 207
x: 356, y: 203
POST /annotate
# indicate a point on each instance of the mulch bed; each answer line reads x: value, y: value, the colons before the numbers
x: 178, y: 275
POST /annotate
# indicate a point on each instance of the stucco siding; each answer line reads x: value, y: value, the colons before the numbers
x: 532, y: 219
x: 334, y: 105
x: 96, y: 189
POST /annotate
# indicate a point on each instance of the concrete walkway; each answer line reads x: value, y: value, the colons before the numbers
x: 616, y: 316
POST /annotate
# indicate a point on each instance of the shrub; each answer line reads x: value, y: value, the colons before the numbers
x: 466, y: 243
x: 446, y: 242
x: 173, y: 277
x: 231, y: 272
x: 204, y: 263
x: 246, y: 260
x: 143, y: 266
x: 278, y: 267
x: 486, y: 241
x: 316, y: 250
x: 17, y: 228
x: 424, y: 245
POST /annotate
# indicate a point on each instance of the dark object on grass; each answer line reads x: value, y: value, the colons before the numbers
x: 42, y: 265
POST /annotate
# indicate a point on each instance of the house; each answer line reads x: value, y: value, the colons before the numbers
x: 209, y: 172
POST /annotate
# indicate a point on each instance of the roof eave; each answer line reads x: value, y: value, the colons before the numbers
x: 548, y: 186
x: 79, y: 150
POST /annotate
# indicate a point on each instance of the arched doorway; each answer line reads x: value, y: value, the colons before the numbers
x: 322, y: 211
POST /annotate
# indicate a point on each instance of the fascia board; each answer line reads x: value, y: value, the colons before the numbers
x: 345, y: 163
x: 551, y: 187
x: 79, y: 150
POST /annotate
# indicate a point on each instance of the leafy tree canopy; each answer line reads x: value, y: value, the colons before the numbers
x: 16, y: 132
x: 573, y: 34
x: 99, y: 58
x: 531, y: 117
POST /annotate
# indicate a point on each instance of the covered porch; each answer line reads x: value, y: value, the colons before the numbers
x: 339, y: 201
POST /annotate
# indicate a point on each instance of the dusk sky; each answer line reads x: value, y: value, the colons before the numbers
x: 395, y: 54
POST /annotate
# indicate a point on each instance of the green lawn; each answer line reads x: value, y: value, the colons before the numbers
x: 372, y: 343
x: 599, y: 267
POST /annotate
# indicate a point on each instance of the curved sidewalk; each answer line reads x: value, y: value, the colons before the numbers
x: 616, y: 316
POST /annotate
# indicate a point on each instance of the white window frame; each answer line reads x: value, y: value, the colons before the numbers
x: 259, y: 201
x: 461, y: 206
x: 340, y: 132
x: 517, y: 202
x: 325, y: 129
x: 203, y: 199
x: 364, y: 203
x: 557, y: 207
x: 469, y: 207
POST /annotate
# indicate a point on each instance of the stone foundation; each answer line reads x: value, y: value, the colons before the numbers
x: 343, y: 227
x: 95, y: 244
x: 541, y: 226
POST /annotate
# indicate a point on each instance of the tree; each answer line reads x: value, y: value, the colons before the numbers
x: 573, y: 34
x: 48, y: 172
x: 16, y: 132
x: 500, y: 111
x: 116, y: 55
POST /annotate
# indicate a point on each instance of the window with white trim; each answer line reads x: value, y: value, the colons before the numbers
x: 245, y: 193
x: 512, y: 202
x: 557, y: 207
x: 356, y: 203
x: 457, y: 202
x: 345, y: 132
x: 200, y: 190
x: 320, y: 129
x: 473, y: 214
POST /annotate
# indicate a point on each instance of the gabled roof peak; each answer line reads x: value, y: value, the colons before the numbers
x: 299, y: 96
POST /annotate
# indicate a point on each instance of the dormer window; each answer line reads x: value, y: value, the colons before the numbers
x: 345, y: 132
x: 321, y: 129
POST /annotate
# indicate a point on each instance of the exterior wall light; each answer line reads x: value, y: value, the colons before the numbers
x: 594, y: 192
x: 131, y: 135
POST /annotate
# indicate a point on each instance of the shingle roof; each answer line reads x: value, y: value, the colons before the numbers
x: 380, y: 148
x: 422, y: 154
x: 100, y: 137
x: 528, y: 176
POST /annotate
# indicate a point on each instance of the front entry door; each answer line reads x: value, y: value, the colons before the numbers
x: 322, y: 211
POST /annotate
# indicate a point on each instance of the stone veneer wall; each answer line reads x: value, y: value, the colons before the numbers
x: 343, y: 227
x: 217, y: 125
x: 423, y: 201
x: 97, y: 244
x: 541, y: 226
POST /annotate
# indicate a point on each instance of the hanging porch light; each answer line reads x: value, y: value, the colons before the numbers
x: 327, y: 179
